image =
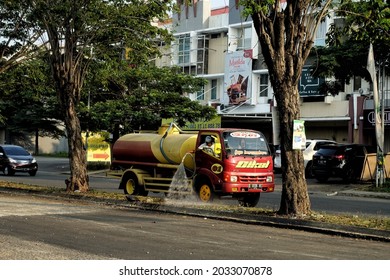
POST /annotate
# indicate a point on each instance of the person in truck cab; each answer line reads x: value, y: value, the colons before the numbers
x: 242, y: 144
x: 208, y: 145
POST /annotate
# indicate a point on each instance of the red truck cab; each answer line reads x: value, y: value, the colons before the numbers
x: 238, y: 164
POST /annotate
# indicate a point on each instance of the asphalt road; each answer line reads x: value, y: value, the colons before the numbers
x: 42, y: 228
x: 326, y: 198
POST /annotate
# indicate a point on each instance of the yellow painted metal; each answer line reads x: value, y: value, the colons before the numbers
x: 171, y: 148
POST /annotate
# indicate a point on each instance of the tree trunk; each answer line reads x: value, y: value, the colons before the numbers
x: 285, y: 45
x: 295, y: 199
x: 78, y: 180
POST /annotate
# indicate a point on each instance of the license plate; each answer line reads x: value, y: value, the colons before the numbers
x: 322, y: 162
x: 254, y: 186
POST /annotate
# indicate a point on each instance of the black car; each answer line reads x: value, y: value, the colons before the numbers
x: 15, y: 158
x: 344, y: 161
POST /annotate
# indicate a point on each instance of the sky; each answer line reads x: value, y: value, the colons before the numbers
x: 219, y: 3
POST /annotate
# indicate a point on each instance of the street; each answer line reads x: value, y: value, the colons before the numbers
x: 42, y: 228
x: 324, y: 197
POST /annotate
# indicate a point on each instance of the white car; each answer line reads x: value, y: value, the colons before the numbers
x: 277, y: 159
x: 312, y: 146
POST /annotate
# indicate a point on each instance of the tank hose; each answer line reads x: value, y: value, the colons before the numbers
x: 193, y: 159
x: 161, y: 145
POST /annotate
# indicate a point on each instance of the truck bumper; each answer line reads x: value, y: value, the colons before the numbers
x: 247, y: 188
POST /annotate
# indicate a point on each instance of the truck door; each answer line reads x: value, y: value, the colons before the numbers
x: 210, y: 145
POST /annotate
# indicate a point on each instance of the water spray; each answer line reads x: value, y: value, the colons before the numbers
x: 193, y: 159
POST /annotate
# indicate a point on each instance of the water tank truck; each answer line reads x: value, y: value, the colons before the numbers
x: 238, y: 163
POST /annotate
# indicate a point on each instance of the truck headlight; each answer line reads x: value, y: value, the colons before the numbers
x: 233, y: 179
x: 269, y: 179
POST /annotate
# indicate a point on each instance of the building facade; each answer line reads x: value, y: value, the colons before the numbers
x: 218, y: 44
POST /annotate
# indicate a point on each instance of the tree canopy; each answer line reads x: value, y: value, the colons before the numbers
x: 140, y: 99
x: 28, y: 102
x: 345, y: 55
x: 77, y: 33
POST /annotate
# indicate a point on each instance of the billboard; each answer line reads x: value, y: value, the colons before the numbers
x: 237, y: 79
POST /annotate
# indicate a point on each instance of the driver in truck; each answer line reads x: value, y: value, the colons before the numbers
x: 208, y: 145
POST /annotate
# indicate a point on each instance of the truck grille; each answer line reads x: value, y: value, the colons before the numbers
x: 252, y: 179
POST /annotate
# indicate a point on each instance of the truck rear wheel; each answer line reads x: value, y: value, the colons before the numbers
x: 131, y: 186
x: 205, y: 192
x: 249, y: 200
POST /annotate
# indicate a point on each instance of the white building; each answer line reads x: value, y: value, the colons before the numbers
x: 207, y: 42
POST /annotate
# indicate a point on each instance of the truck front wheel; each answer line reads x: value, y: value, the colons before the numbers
x: 205, y: 193
x: 131, y: 186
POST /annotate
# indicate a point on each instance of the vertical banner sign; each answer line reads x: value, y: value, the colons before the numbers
x: 379, y: 129
x: 299, y: 136
x: 377, y: 106
x: 237, y: 80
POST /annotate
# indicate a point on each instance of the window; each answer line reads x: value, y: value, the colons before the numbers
x: 184, y: 42
x: 244, y: 38
x: 200, y: 94
x: 213, y: 89
x: 202, y: 55
x: 357, y: 83
x: 263, y: 85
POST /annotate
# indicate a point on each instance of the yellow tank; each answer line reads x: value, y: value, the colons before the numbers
x: 168, y: 146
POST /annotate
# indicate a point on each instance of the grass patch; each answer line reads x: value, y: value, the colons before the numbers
x: 384, y: 188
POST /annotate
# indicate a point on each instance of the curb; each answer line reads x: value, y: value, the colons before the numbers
x: 365, y: 194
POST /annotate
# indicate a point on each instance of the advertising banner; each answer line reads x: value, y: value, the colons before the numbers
x: 98, y: 150
x: 237, y: 80
x: 299, y: 136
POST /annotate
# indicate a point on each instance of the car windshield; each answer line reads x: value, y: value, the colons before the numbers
x: 327, y: 150
x: 242, y: 142
x: 15, y: 151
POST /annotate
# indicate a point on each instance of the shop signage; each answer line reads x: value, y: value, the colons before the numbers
x: 309, y: 85
x: 369, y: 118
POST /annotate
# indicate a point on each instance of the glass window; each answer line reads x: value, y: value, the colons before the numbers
x: 200, y: 95
x: 184, y: 42
x: 263, y: 85
x: 357, y: 83
x: 244, y: 38
x: 213, y: 89
x: 202, y: 55
x: 15, y: 151
x: 245, y: 143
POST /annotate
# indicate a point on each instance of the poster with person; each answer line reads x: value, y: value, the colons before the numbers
x: 237, y: 78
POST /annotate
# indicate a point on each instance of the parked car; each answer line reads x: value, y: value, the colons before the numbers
x: 344, y: 161
x: 312, y: 146
x: 15, y: 158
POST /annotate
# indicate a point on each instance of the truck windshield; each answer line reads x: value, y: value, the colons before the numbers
x: 241, y: 142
